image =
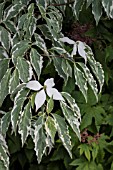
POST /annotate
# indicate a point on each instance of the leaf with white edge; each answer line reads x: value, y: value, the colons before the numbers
x: 74, y: 51
x: 81, y: 50
x: 3, y: 53
x: 96, y: 67
x: 59, y: 50
x: 5, y: 38
x: 108, y: 7
x: 50, y: 128
x: 19, y: 49
x: 52, y: 92
x: 1, y: 11
x: 3, y: 67
x: 78, y: 4
x: 57, y: 63
x: 50, y: 105
x: 32, y: 26
x: 36, y: 61
x: 45, y: 31
x: 39, y: 138
x: 24, y: 69
x: 4, y: 86
x: 63, y: 132
x: 81, y: 81
x: 40, y: 99
x: 40, y: 43
x: 90, y: 79
x: 25, y: 123
x: 88, y: 3
x: 14, y: 81
x: 42, y: 3
x: 71, y: 117
x: 13, y: 11
x: 5, y: 121
x: 67, y: 40
x: 17, y: 108
x: 97, y: 10
x: 66, y: 67
x: 10, y: 25
x: 34, y: 85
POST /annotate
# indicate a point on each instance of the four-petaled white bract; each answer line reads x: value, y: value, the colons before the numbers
x: 47, y: 88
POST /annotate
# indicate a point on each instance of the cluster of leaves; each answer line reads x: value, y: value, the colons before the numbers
x: 33, y: 48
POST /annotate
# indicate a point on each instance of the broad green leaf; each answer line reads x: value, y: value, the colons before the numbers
x: 39, y: 138
x: 50, y: 128
x: 3, y: 53
x: 14, y: 81
x: 24, y: 69
x: 71, y: 117
x: 3, y: 67
x: 4, y: 86
x: 10, y: 25
x: 97, y: 10
x: 88, y: 3
x: 13, y: 11
x: 63, y: 133
x: 25, y: 123
x: 5, y: 38
x: 42, y: 3
x: 5, y: 121
x: 90, y: 79
x: 80, y: 81
x: 17, y: 108
x: 77, y: 7
x: 40, y: 43
x: 45, y: 31
x: 50, y: 105
x: 85, y: 148
x: 36, y: 61
x: 1, y: 10
x: 107, y: 7
x: 19, y: 50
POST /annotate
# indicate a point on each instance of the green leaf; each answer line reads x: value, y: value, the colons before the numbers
x: 17, y: 108
x: 25, y: 123
x: 50, y: 105
x: 5, y: 38
x: 3, y: 53
x: 13, y: 11
x: 5, y: 121
x: 50, y: 128
x: 63, y: 133
x: 10, y: 25
x: 24, y: 69
x: 77, y: 7
x: 81, y: 81
x: 97, y: 10
x: 90, y: 79
x: 4, y: 86
x: 36, y: 61
x: 1, y: 10
x: 45, y: 31
x: 107, y: 7
x: 88, y: 3
x: 3, y: 67
x: 42, y: 3
x: 39, y: 138
x: 14, y: 81
x: 85, y: 148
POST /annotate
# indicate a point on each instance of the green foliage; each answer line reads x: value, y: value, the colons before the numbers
x: 53, y: 112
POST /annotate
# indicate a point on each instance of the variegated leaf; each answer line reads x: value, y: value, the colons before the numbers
x: 39, y: 138
x: 13, y: 11
x: 10, y: 25
x: 3, y: 53
x: 36, y: 61
x: 14, y: 81
x: 78, y: 4
x: 5, y: 121
x: 3, y: 67
x: 17, y: 108
x: 50, y: 128
x: 25, y: 123
x: 1, y: 10
x: 42, y: 3
x: 108, y: 7
x: 63, y: 133
x: 81, y: 81
x: 5, y: 38
x: 88, y: 3
x: 24, y: 69
x: 4, y: 86
x: 45, y: 31
x: 97, y: 10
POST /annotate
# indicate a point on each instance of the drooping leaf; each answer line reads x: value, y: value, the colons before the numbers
x: 81, y: 81
x: 25, y: 123
x: 24, y: 69
x: 3, y: 53
x: 5, y: 121
x: 5, y: 38
x: 107, y: 7
x: 39, y: 138
x: 3, y: 67
x: 97, y: 10
x: 4, y: 86
x: 14, y: 81
x: 50, y: 128
x: 50, y: 105
x: 63, y: 132
x: 36, y: 61
x: 78, y: 4
x: 40, y: 99
x: 1, y: 10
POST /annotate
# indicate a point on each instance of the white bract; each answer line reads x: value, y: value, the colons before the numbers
x: 78, y: 45
x: 42, y: 90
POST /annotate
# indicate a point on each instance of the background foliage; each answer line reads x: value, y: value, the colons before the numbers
x: 75, y: 133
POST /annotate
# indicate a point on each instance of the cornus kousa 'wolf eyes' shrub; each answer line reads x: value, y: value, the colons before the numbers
x: 33, y: 49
